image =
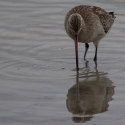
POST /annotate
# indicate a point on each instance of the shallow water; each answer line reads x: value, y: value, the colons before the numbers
x: 38, y: 81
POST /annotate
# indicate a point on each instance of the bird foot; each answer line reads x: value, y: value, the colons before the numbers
x: 95, y: 63
x: 86, y: 60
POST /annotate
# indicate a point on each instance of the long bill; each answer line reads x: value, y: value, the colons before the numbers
x: 76, y: 52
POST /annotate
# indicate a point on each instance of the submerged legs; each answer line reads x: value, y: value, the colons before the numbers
x: 86, y: 50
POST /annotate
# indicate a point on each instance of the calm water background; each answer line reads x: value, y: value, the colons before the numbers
x: 37, y: 66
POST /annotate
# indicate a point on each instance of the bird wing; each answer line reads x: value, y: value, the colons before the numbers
x: 106, y: 19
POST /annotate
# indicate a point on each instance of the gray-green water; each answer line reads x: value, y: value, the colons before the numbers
x: 37, y: 67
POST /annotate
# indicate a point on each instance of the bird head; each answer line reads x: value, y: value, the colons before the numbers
x: 75, y: 23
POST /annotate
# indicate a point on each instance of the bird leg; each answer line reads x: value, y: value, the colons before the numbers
x: 86, y: 49
x: 95, y: 58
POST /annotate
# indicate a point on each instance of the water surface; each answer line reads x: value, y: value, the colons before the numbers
x: 38, y: 81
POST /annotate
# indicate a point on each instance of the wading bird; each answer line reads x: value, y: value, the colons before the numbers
x: 88, y: 24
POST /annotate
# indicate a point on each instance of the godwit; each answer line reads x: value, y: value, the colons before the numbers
x: 88, y: 24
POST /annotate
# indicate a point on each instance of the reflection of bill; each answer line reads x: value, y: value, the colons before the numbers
x: 90, y: 95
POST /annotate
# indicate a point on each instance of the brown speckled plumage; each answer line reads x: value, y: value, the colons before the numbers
x: 88, y: 24
x: 86, y: 12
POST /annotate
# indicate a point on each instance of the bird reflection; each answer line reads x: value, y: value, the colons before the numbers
x: 90, y: 95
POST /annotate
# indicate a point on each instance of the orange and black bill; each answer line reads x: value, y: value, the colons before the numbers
x: 76, y: 52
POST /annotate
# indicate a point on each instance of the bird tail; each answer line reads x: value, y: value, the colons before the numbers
x: 112, y: 14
